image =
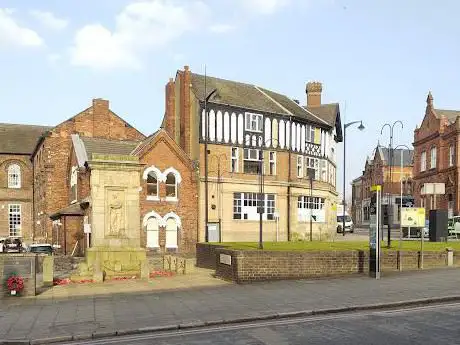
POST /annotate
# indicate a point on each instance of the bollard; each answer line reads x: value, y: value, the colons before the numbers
x: 450, y: 256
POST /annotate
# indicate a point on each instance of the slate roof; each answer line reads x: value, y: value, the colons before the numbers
x: 20, y: 139
x: 140, y: 146
x: 408, y: 156
x: 451, y: 115
x: 71, y: 210
x: 252, y: 97
x: 108, y: 147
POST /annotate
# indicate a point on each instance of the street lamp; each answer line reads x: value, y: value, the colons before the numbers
x: 206, y: 124
x: 261, y: 204
x: 390, y: 158
x: 360, y: 127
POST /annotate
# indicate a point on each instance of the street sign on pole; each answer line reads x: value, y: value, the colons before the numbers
x: 412, y: 217
x: 374, y: 232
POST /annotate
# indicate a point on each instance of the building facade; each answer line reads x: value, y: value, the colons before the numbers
x: 251, y: 129
x: 436, y: 158
x: 377, y: 172
x: 17, y: 143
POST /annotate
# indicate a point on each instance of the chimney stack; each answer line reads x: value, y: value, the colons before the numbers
x: 313, y: 90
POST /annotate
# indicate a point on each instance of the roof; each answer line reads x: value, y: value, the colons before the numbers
x: 71, y: 210
x: 108, y: 147
x: 408, y: 156
x: 251, y: 97
x: 451, y: 115
x: 20, y: 139
x: 140, y: 146
x: 327, y: 112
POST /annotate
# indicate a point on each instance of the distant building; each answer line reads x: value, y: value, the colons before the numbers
x: 436, y: 157
x: 377, y: 172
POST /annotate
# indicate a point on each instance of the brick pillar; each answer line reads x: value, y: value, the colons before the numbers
x: 170, y: 106
x: 101, y: 118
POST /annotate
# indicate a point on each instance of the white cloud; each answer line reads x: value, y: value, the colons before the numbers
x: 53, y: 58
x: 264, y: 6
x: 140, y: 26
x: 221, y: 28
x: 49, y: 20
x: 14, y: 34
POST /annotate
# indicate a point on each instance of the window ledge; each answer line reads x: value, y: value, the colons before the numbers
x: 153, y: 198
x: 171, y: 199
x: 171, y: 247
x: 14, y: 187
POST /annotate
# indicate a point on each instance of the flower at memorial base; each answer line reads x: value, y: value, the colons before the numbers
x: 15, y: 283
x: 161, y: 274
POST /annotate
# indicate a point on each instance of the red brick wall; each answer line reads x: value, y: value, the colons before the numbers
x: 22, y: 196
x: 170, y: 107
x: 52, y: 170
x: 164, y: 153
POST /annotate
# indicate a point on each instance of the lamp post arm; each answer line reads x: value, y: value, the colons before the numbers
x: 350, y: 123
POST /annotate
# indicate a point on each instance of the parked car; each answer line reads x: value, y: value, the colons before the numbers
x: 349, y: 227
x: 12, y: 245
x: 41, y: 248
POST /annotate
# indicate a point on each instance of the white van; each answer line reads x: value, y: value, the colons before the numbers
x: 349, y: 227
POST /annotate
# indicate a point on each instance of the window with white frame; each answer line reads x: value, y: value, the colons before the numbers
x: 272, y: 162
x: 309, y: 202
x: 451, y: 155
x: 307, y: 134
x: 310, y: 207
x: 245, y: 206
x: 312, y: 163
x: 251, y: 160
x: 14, y: 219
x: 423, y: 161
x: 235, y: 159
x: 323, y: 170
x: 253, y: 122
x: 14, y: 176
x: 299, y: 166
x: 171, y: 186
x: 433, y: 157
x: 152, y: 185
x: 73, y: 184
x: 312, y: 134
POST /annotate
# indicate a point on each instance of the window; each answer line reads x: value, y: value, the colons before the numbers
x: 423, y: 161
x: 433, y: 158
x: 14, y: 219
x: 245, y: 206
x: 252, y: 159
x: 152, y: 185
x: 311, y: 208
x: 235, y: 159
x: 171, y: 187
x: 73, y: 184
x: 272, y: 162
x: 253, y: 122
x: 14, y: 176
x: 299, y: 166
x: 323, y: 171
x: 312, y: 163
x: 451, y: 155
x: 312, y: 203
x: 312, y: 134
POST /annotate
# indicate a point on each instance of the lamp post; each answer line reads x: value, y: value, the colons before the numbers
x: 360, y: 127
x: 260, y: 199
x: 390, y: 158
x: 206, y: 124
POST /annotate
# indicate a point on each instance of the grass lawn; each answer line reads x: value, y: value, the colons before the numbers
x: 339, y: 245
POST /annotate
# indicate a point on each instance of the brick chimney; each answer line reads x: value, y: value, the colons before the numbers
x: 313, y: 90
x: 185, y: 121
x: 101, y: 118
x: 170, y: 106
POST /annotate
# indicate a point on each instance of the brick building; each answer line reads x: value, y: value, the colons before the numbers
x: 436, y: 157
x: 250, y: 127
x: 377, y: 172
x: 17, y: 143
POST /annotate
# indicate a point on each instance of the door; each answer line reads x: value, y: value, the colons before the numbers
x: 213, y: 232
x: 152, y: 233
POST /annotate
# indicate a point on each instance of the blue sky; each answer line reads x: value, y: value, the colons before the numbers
x: 377, y: 58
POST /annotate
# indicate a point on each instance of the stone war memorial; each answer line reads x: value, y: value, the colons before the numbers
x: 114, y: 217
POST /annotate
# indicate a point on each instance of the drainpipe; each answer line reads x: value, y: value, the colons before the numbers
x: 289, y: 189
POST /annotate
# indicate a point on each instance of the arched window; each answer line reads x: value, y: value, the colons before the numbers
x: 14, y: 176
x: 171, y: 186
x: 172, y: 234
x: 152, y: 185
x: 152, y: 229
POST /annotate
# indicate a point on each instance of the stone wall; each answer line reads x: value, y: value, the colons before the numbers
x: 23, y: 265
x: 256, y: 265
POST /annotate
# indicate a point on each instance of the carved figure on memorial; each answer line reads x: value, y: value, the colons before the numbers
x: 116, y: 216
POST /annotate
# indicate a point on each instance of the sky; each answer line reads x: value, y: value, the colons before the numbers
x: 377, y: 58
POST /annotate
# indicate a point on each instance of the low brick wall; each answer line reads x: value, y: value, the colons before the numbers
x: 206, y: 255
x: 24, y: 265
x: 247, y: 266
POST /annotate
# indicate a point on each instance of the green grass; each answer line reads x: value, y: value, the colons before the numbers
x: 339, y: 245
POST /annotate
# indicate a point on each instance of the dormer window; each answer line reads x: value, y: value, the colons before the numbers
x: 14, y: 176
x: 253, y: 122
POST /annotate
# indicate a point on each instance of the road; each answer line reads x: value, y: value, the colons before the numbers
x: 435, y: 324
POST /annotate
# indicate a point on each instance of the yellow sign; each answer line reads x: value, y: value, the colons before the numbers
x: 413, y: 217
x: 376, y: 188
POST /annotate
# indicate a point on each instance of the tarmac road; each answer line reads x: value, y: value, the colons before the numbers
x: 435, y: 324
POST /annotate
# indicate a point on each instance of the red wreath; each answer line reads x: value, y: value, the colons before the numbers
x: 15, y: 283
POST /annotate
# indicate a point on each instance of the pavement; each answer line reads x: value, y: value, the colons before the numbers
x: 47, y: 320
x: 437, y: 324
